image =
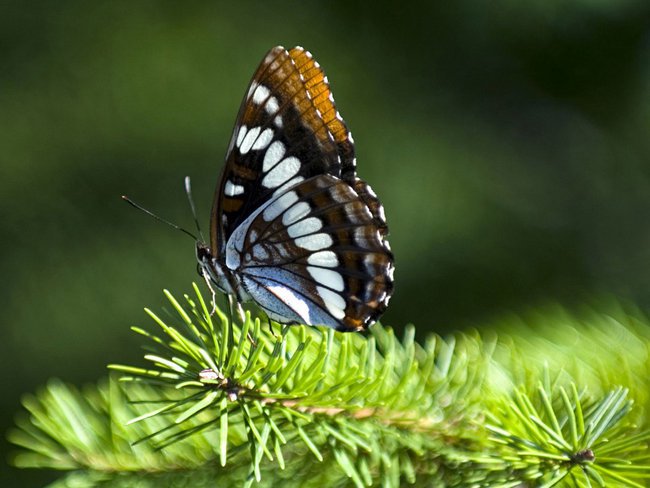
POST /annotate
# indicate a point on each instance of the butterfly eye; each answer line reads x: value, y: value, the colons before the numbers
x: 203, y: 252
x: 293, y: 228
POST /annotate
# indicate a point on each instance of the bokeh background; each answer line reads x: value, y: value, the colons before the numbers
x: 508, y: 140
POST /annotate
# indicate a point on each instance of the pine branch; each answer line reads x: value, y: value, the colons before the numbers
x: 452, y: 412
x: 339, y: 395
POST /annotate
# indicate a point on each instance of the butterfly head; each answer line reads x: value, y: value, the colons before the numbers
x: 211, y: 270
x: 203, y: 255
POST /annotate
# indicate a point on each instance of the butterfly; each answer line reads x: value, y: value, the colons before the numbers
x: 293, y: 229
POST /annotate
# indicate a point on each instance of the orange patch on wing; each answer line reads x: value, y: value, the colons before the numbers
x: 319, y: 92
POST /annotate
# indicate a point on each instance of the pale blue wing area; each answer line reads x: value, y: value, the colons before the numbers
x: 282, y: 297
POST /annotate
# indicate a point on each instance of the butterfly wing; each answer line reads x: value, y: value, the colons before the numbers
x: 287, y: 130
x: 315, y: 254
x: 293, y: 228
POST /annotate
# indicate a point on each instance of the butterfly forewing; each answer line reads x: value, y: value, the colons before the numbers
x: 287, y: 130
x: 293, y: 228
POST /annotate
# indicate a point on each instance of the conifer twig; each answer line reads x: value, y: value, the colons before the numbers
x: 314, y: 408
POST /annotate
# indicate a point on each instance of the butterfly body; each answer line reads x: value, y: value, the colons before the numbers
x: 293, y: 228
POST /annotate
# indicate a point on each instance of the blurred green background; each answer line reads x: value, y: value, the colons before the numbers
x: 509, y: 142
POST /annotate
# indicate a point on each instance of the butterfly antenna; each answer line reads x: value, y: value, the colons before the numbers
x: 160, y: 219
x: 188, y: 192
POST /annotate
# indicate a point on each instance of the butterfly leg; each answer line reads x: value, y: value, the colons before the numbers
x: 268, y: 321
x: 214, y: 303
x: 235, y: 305
x: 212, y: 291
x: 240, y: 312
x: 277, y: 337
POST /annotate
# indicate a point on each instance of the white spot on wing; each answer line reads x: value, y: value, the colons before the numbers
x: 233, y: 259
x: 370, y: 191
x: 297, y: 212
x: 280, y: 205
x: 390, y: 271
x: 252, y: 88
x: 240, y: 135
x: 263, y: 140
x: 260, y: 94
x: 359, y: 236
x: 327, y: 259
x: 314, y: 242
x: 382, y: 214
x: 334, y: 302
x: 327, y: 277
x: 283, y: 171
x: 293, y: 301
x: 260, y: 253
x: 248, y: 141
x: 278, y: 121
x: 303, y: 227
x: 232, y: 190
x: 273, y: 155
x: 288, y: 184
x: 272, y: 105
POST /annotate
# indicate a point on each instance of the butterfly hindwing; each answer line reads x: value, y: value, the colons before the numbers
x: 287, y: 130
x: 315, y: 253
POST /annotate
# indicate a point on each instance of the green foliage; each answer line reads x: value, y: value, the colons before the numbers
x: 302, y: 406
x: 555, y: 433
